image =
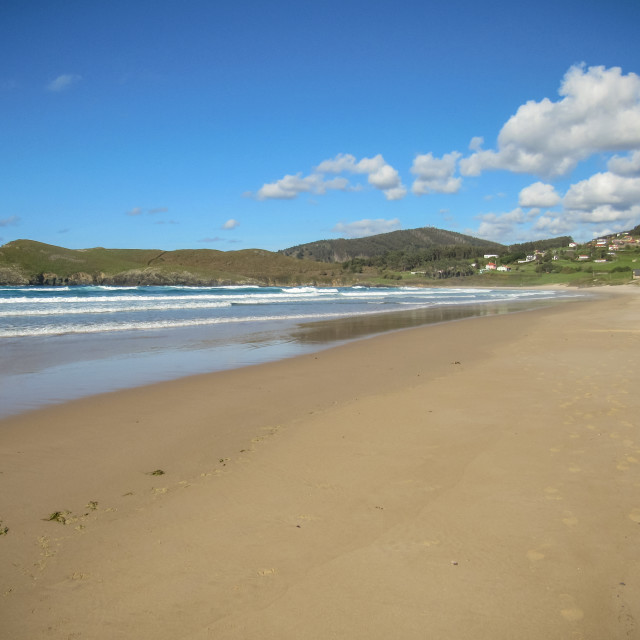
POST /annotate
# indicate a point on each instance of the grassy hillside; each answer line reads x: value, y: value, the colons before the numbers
x: 30, y: 262
x: 343, y: 249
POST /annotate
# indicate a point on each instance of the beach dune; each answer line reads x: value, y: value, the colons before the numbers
x: 474, y: 479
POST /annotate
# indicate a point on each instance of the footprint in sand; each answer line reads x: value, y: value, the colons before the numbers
x: 552, y: 493
x: 570, y: 611
x: 430, y: 543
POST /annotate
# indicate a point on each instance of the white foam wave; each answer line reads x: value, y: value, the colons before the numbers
x: 286, y: 295
x: 58, y: 311
x: 149, y: 326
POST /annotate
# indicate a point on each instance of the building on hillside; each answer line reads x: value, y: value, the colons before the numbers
x: 503, y: 268
x: 490, y: 255
x: 636, y: 274
x: 491, y: 265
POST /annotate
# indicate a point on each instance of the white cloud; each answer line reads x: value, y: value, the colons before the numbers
x: 10, y: 221
x: 604, y: 201
x: 435, y: 174
x: 603, y: 190
x: 397, y: 193
x: 362, y: 228
x: 136, y: 211
x: 550, y: 225
x: 291, y: 186
x: 380, y: 174
x: 158, y: 210
x: 599, y: 111
x: 63, y: 82
x: 503, y: 227
x: 230, y: 224
x: 476, y: 143
x: 539, y: 194
x: 628, y: 166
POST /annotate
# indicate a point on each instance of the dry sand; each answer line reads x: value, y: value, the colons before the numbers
x: 478, y: 479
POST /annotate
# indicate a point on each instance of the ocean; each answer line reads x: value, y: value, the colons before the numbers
x: 61, y: 343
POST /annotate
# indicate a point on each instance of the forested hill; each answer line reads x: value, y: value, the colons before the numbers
x: 342, y: 249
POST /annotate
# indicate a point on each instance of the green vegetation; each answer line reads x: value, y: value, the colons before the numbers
x: 418, y: 257
x: 157, y: 472
x: 410, y: 240
x: 29, y: 262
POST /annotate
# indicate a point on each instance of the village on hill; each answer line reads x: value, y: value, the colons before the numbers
x: 597, y: 251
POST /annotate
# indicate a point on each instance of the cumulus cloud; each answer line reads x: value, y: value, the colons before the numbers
x: 539, y: 194
x: 379, y: 174
x: 10, y: 221
x: 550, y: 225
x: 599, y: 112
x: 604, y: 197
x: 362, y: 228
x: 476, y: 143
x: 230, y: 224
x: 435, y: 174
x: 63, y: 82
x: 291, y: 186
x: 625, y: 166
x: 136, y: 211
x: 504, y: 226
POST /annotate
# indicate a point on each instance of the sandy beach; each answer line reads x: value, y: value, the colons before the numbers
x: 474, y: 479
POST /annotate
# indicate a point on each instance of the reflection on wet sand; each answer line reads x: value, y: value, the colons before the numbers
x: 344, y: 329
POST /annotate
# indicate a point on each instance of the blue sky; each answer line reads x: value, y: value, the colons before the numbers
x: 200, y: 124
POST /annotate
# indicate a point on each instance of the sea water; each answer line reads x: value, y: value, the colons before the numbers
x: 60, y: 343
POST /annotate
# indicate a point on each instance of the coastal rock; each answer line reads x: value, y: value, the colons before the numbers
x: 49, y: 279
x: 12, y: 276
x: 80, y: 278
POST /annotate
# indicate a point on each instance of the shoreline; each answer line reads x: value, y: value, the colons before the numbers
x: 48, y: 371
x: 465, y: 478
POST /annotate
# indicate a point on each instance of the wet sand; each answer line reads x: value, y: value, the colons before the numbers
x: 478, y: 478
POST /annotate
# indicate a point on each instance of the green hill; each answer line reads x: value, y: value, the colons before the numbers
x: 341, y: 249
x: 30, y: 262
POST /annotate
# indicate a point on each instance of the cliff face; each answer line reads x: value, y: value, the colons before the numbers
x: 134, y: 277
